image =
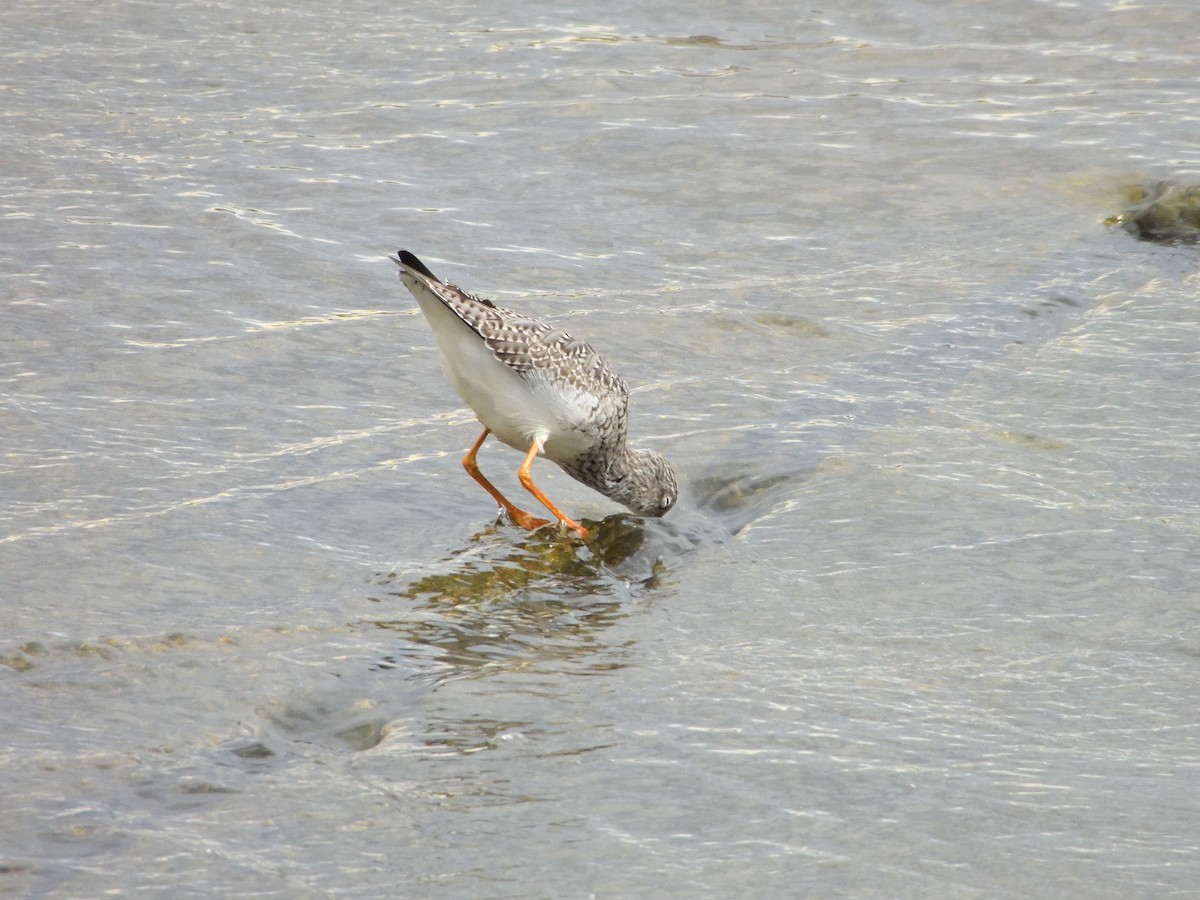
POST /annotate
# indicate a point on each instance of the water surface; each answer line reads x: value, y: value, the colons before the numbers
x: 924, y: 622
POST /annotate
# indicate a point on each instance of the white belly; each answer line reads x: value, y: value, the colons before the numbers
x: 516, y: 410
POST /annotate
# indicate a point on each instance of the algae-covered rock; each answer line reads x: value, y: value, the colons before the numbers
x: 1163, y: 211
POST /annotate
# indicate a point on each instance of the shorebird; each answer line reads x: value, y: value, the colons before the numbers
x: 542, y: 392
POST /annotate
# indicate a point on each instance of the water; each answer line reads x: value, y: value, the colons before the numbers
x: 924, y: 622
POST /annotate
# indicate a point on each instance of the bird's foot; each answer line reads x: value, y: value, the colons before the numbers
x: 525, y: 520
x: 575, y: 527
x: 531, y: 523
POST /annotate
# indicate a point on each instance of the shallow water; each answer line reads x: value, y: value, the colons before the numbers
x: 924, y: 622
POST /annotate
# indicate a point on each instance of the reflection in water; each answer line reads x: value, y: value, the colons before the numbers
x: 1164, y: 211
x: 543, y: 598
x: 510, y: 604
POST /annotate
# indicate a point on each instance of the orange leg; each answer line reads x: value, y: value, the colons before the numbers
x: 526, y: 475
x: 522, y: 518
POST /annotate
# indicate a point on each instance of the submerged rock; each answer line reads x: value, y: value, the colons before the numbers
x: 1162, y: 211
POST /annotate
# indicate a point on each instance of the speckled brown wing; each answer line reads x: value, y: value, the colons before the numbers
x: 533, y: 348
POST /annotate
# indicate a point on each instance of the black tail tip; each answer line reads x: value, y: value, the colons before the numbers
x: 407, y: 259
